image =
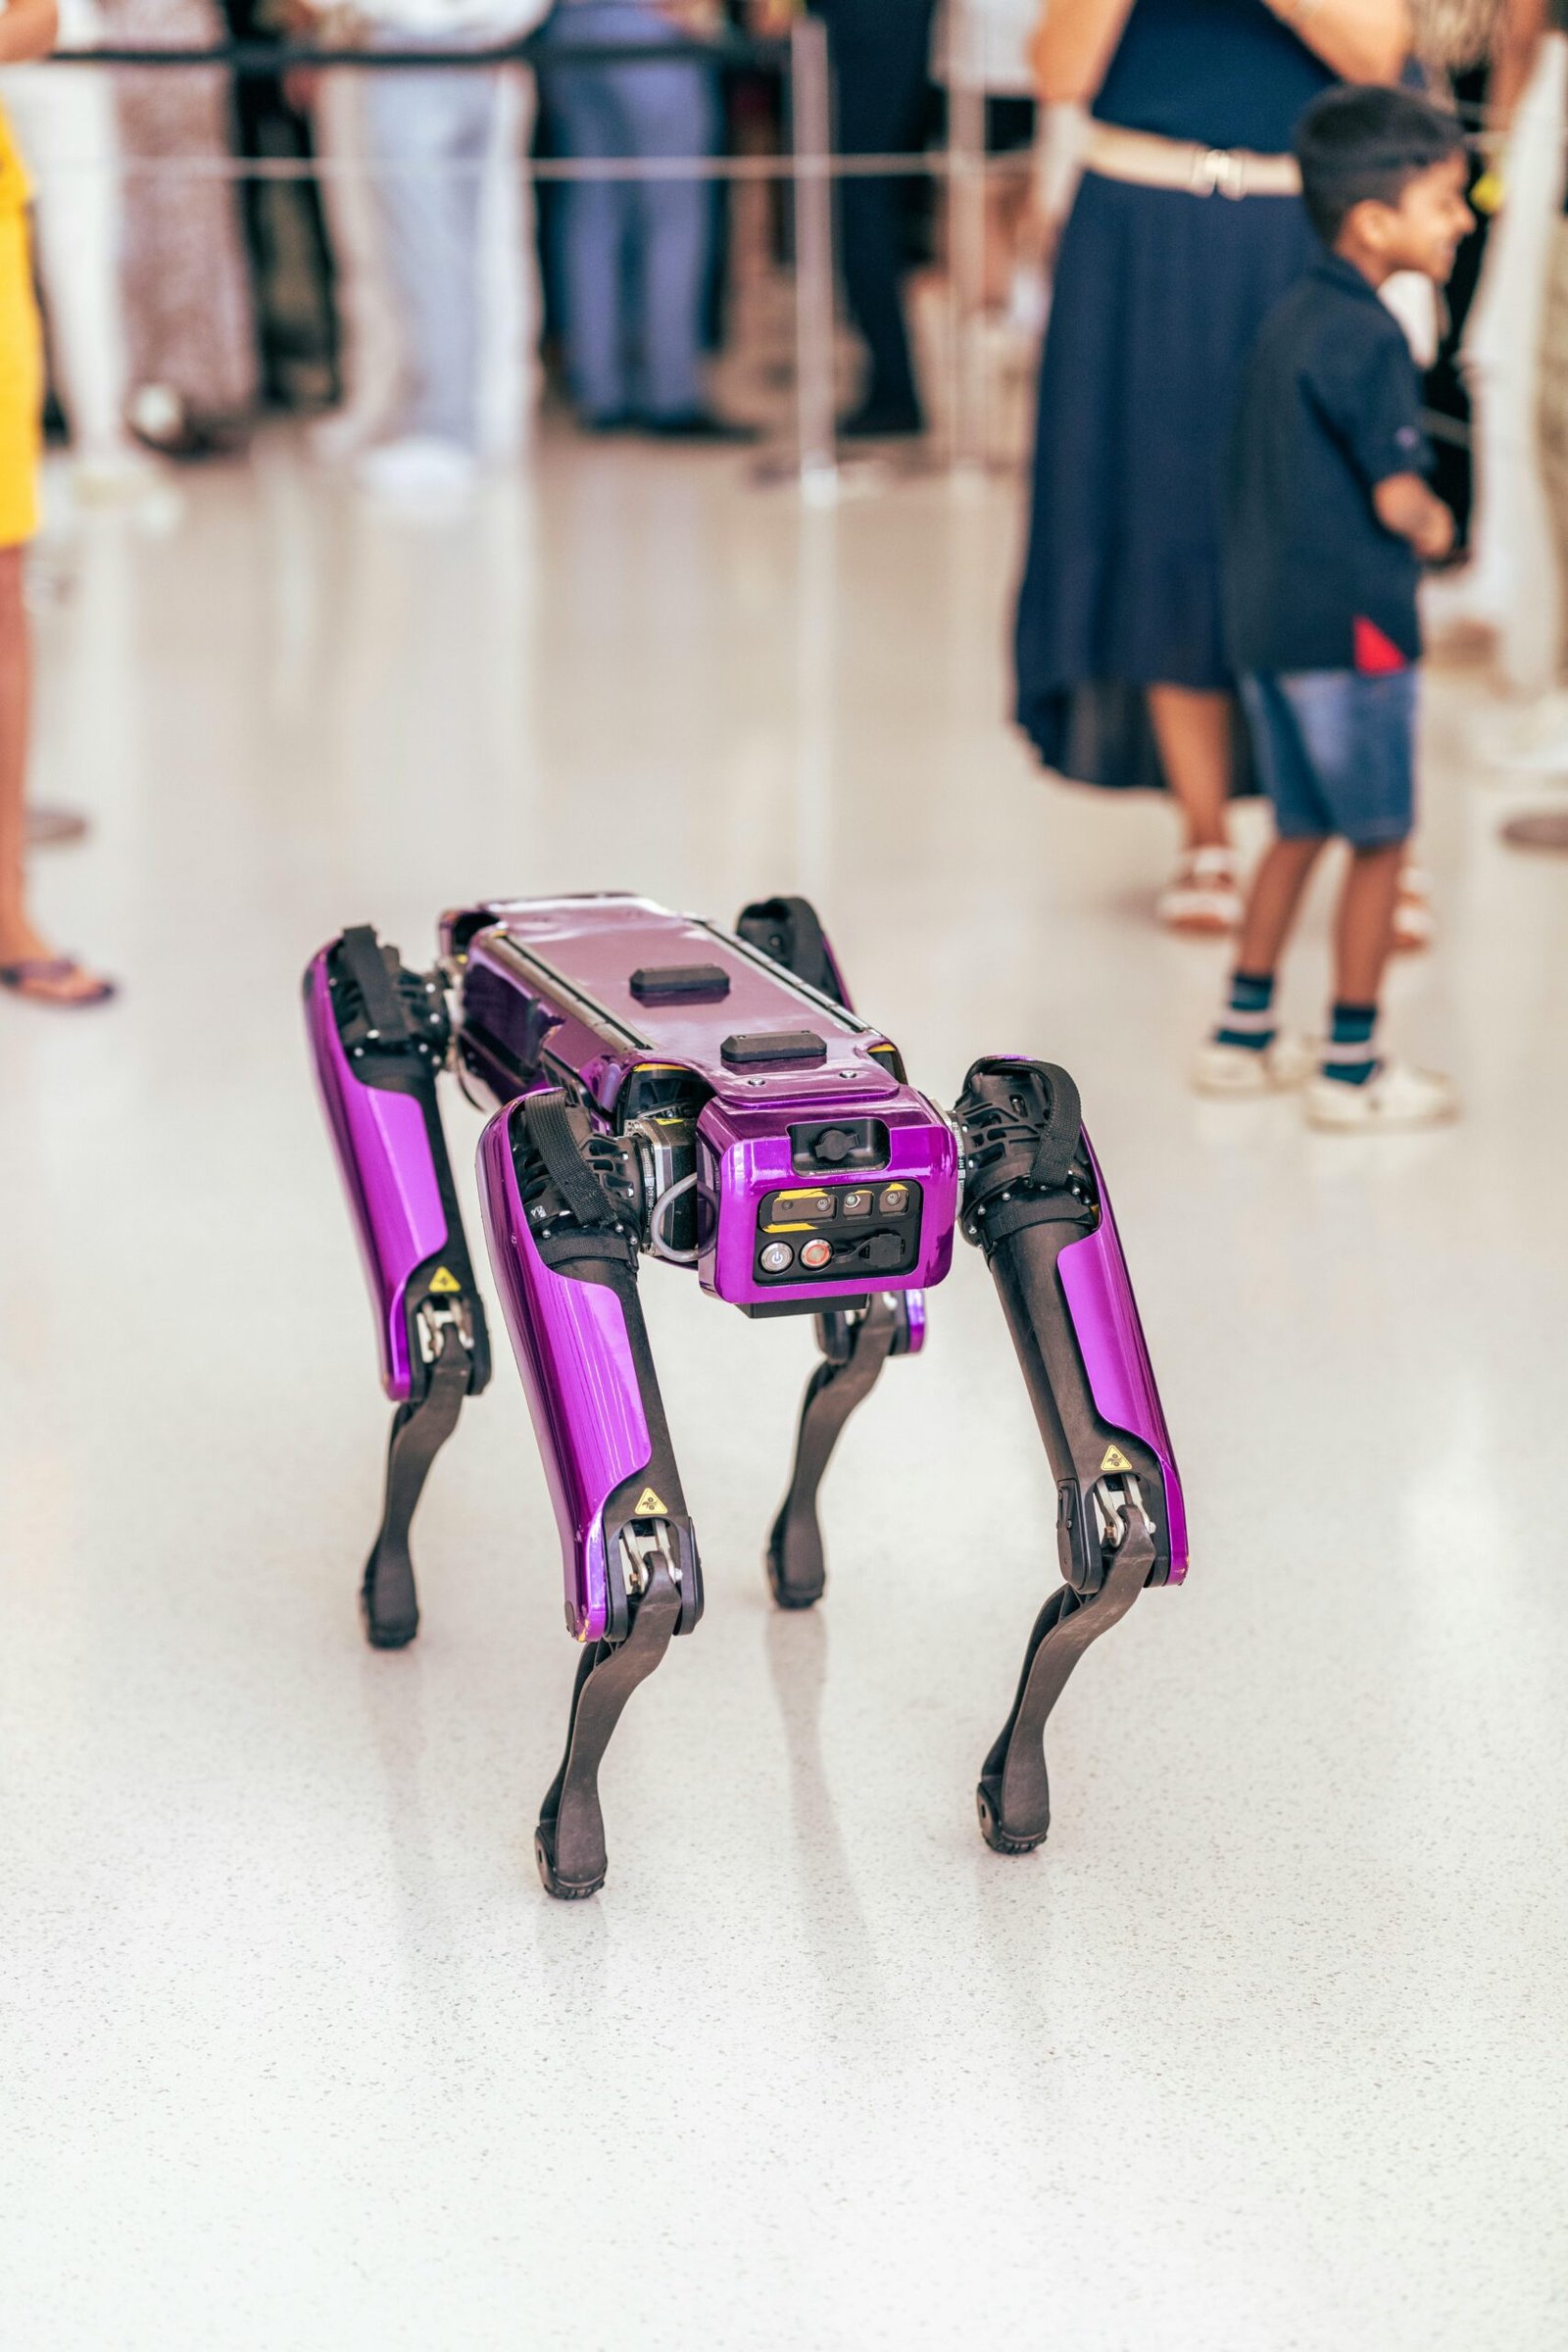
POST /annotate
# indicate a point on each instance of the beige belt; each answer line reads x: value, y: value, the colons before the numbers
x: 1151, y: 162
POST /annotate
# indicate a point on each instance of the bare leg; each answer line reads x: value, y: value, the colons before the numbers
x: 16, y: 937
x: 1193, y: 730
x: 1271, y: 907
x: 1364, y: 933
x: 20, y: 941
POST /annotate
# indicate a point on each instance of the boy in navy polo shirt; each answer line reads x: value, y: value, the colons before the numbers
x: 1328, y: 519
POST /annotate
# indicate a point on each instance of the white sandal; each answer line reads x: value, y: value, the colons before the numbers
x: 1202, y: 898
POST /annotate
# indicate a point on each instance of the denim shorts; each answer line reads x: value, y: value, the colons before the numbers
x: 1336, y: 752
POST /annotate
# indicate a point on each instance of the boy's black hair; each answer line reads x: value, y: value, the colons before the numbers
x: 1367, y: 143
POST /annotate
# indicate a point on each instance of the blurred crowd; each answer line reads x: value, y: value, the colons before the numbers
x: 366, y: 249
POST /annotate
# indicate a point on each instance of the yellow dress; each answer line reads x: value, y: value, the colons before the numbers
x: 21, y: 354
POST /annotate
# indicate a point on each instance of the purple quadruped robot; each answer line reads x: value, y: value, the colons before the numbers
x: 668, y: 1089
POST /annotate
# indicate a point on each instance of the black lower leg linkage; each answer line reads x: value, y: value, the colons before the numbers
x: 1013, y: 1798
x: 420, y: 1428
x: 569, y: 1843
x: 857, y: 1351
x: 1030, y: 1194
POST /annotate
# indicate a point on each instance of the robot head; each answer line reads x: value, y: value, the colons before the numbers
x: 811, y: 1199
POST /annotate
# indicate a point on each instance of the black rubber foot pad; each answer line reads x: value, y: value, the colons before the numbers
x: 790, y: 1596
x: 1001, y: 1841
x: 395, y: 1636
x: 565, y: 1891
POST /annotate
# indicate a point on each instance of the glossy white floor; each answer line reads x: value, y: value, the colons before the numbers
x: 1264, y: 2050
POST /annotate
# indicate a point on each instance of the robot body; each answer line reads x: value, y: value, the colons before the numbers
x: 668, y: 1089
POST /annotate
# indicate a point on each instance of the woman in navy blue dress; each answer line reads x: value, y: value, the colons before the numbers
x: 1185, y: 230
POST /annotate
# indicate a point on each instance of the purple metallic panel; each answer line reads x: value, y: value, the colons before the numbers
x: 570, y: 1342
x: 594, y: 944
x: 383, y: 1151
x: 1111, y: 1340
x: 743, y: 1154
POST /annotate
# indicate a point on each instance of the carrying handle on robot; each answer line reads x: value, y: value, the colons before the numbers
x: 1060, y: 1134
x: 1059, y: 1142
x: 808, y: 955
x: 551, y: 1135
x: 360, y: 950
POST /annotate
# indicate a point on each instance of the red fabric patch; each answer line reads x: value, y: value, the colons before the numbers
x: 1375, y: 655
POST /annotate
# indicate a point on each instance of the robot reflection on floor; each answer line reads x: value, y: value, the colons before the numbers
x: 666, y: 1088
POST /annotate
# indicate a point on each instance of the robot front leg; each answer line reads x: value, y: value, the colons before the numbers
x: 856, y: 1345
x: 561, y: 1218
x: 378, y: 1035
x: 1035, y: 1203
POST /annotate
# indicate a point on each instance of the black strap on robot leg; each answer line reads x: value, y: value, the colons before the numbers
x: 795, y: 1568
x: 570, y: 1842
x: 1014, y: 1798
x: 559, y: 1145
x: 419, y: 1429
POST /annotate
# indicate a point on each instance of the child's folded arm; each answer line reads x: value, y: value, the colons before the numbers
x: 1406, y: 506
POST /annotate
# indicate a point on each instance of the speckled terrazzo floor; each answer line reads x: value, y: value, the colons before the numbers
x: 1264, y: 2052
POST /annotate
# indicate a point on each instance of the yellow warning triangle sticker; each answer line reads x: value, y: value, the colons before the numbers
x: 443, y: 1279
x: 1115, y: 1459
x: 648, y: 1506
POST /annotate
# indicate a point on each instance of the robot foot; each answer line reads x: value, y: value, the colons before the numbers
x: 388, y: 1601
x: 1013, y: 1798
x: 569, y: 1843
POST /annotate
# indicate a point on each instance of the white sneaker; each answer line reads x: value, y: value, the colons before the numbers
x: 1394, y: 1097
x: 1250, y: 1070
x: 420, y: 471
x: 1202, y: 898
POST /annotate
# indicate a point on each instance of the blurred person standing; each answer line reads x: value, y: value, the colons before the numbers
x: 67, y: 125
x: 1515, y: 364
x: 880, y: 53
x: 1458, y: 43
x: 984, y: 45
x: 1187, y: 229
x: 190, y: 314
x: 370, y: 345
x: 1001, y: 300
x: 1327, y: 517
x: 30, y: 966
x: 637, y: 252
x: 446, y: 152
x: 1549, y: 21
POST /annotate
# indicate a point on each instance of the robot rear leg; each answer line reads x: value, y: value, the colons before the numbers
x: 379, y: 1036
x: 855, y: 1344
x: 856, y: 1341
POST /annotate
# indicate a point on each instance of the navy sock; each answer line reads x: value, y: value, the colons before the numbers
x: 1348, y: 1056
x: 1249, y: 1019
